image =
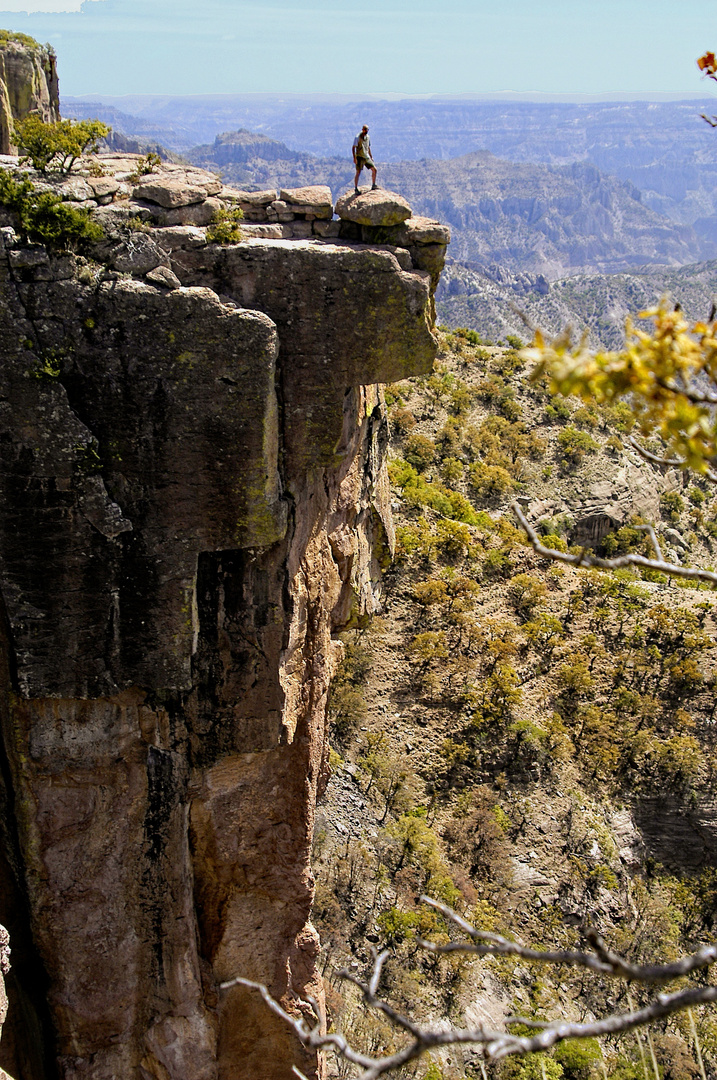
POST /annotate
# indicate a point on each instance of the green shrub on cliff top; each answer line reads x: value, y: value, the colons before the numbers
x: 61, y: 143
x: 44, y: 218
x: 23, y: 39
x: 225, y: 228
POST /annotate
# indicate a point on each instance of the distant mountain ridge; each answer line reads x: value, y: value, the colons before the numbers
x: 622, y: 132
x: 499, y: 303
x: 528, y: 217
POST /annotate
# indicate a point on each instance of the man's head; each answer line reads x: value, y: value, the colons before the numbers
x: 364, y: 130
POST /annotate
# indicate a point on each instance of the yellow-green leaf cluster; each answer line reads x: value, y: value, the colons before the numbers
x: 669, y: 378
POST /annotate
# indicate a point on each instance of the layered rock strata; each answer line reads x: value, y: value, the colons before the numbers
x: 28, y: 83
x: 193, y: 500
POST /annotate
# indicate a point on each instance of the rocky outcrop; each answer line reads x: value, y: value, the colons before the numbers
x: 373, y: 208
x: 629, y: 488
x: 28, y: 83
x: 193, y: 501
x: 174, y: 196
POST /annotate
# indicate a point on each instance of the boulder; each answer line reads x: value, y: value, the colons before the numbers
x: 373, y: 208
x: 76, y: 190
x: 114, y: 219
x: 198, y: 214
x: 162, y: 275
x: 314, y: 201
x: 675, y: 539
x: 422, y: 230
x: 170, y: 192
x: 326, y: 229
x: 263, y: 232
x: 279, y: 211
x: 248, y: 198
x: 174, y: 237
x: 299, y: 230
x: 138, y: 255
x: 255, y: 204
x: 103, y: 186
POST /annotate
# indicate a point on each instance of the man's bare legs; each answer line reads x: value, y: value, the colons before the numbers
x: 358, y: 173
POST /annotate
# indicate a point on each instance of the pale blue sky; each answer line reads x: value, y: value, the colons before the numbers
x: 371, y: 46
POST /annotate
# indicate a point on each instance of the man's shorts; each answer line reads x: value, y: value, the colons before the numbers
x: 364, y: 163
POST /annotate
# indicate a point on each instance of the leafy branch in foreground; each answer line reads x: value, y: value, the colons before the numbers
x: 493, y: 1045
x: 669, y: 378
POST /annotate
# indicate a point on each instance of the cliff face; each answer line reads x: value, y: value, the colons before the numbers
x: 193, y: 501
x: 28, y: 83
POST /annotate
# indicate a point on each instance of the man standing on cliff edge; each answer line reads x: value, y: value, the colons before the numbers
x: 362, y: 158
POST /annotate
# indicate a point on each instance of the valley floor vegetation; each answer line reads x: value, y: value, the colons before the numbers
x: 530, y: 744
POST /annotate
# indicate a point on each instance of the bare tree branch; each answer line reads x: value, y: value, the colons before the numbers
x: 585, y: 559
x: 655, y: 459
x: 492, y: 1044
x: 602, y: 960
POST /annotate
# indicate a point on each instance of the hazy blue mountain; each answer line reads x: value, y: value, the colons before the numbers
x: 174, y: 136
x: 633, y: 133
x: 525, y: 216
x: 500, y: 303
x: 663, y: 147
x: 542, y: 218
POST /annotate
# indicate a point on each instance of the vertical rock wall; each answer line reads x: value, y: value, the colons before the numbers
x: 28, y: 83
x: 192, y: 502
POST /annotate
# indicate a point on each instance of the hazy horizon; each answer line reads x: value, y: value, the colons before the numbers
x: 404, y: 47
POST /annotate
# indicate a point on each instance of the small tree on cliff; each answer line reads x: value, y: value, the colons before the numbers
x: 61, y: 143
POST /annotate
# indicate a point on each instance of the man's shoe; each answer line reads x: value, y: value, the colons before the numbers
x: 356, y: 191
x: 374, y: 187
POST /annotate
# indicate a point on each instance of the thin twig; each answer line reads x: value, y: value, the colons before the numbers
x: 654, y: 458
x: 494, y: 1045
x: 584, y: 559
x: 708, y: 474
x: 603, y: 960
